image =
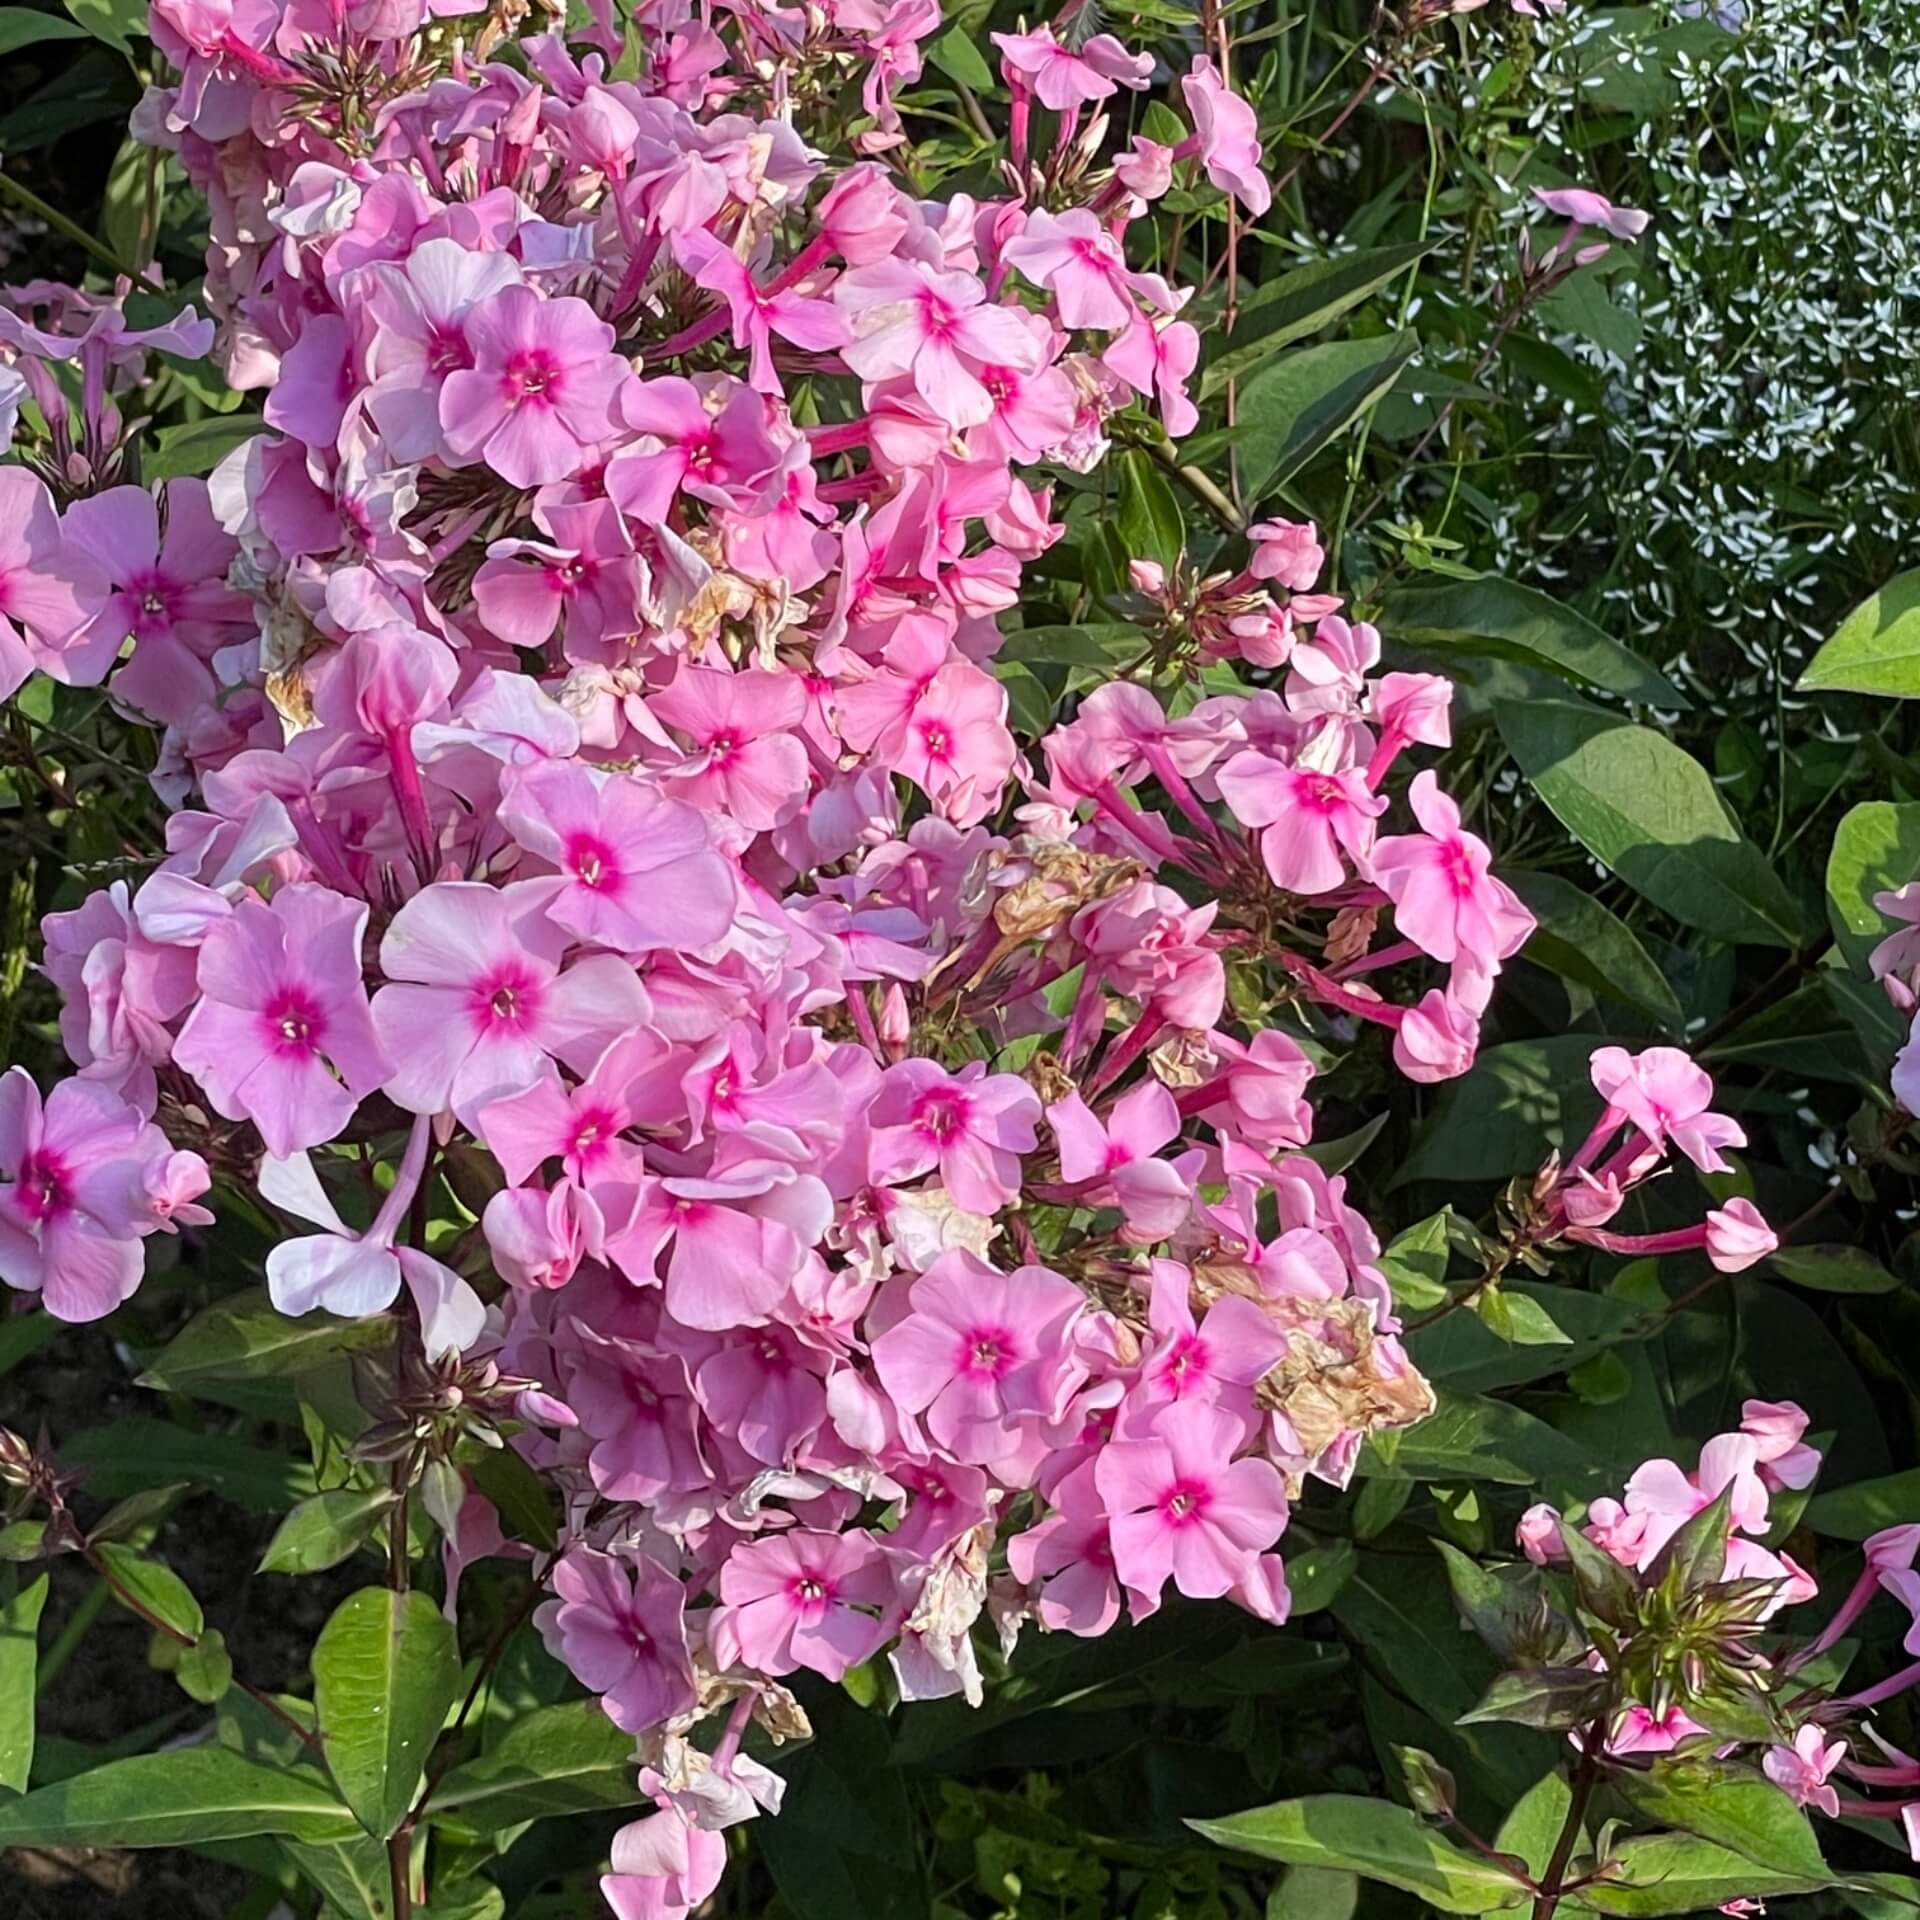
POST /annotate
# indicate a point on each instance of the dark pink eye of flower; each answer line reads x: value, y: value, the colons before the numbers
x: 1322, y: 790
x: 941, y: 1115
x: 295, y: 1023
x: 1456, y: 862
x: 447, y: 351
x: 988, y: 1352
x: 506, y: 1000
x: 811, y: 1590
x: 532, y: 378
x: 42, y: 1187
x: 591, y: 861
x: 1183, y: 1503
x: 937, y: 739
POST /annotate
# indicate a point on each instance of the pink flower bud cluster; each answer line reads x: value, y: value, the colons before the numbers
x: 580, y: 713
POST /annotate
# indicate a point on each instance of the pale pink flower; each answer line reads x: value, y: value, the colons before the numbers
x: 1445, y: 898
x: 586, y: 571
x: 1183, y: 1509
x: 1585, y: 208
x: 1159, y: 358
x: 1307, y: 818
x: 1114, y: 1161
x: 1227, y: 136
x: 1666, y: 1096
x: 1079, y: 262
x: 757, y: 314
x: 1802, y: 1770
x: 1068, y: 1558
x: 1738, y: 1237
x: 746, y: 754
x: 802, y: 1599
x: 663, y: 1867
x: 971, y: 1125
x: 1063, y: 77
x: 1287, y: 552
x: 50, y: 593
x: 282, y: 1034
x: 618, y: 1626
x: 1232, y: 1346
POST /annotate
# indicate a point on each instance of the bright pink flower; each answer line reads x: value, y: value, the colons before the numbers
x: 74, y: 1193
x: 587, y: 571
x: 50, y: 593
x: 980, y: 1351
x: 1287, y: 552
x: 1584, y: 208
x: 633, y: 871
x: 1159, y: 358
x: 1640, y: 1730
x: 1666, y: 1096
x: 1777, y: 1429
x: 1307, y: 818
x: 1062, y: 77
x: 1068, y: 1557
x: 1266, y: 1084
x: 1183, y: 1509
x: 936, y: 327
x: 663, y: 1867
x: 1233, y: 1345
x: 1801, y: 1771
x: 580, y: 1126
x: 1114, y: 1161
x: 1445, y: 898
x: 481, y: 1001
x: 765, y: 1390
x: 618, y: 1626
x: 1080, y: 263
x: 1227, y: 136
x: 816, y: 325
x: 541, y: 392
x: 1662, y: 1498
x: 707, y: 436
x: 282, y: 1035
x: 746, y: 754
x: 800, y: 1599
x: 972, y: 1125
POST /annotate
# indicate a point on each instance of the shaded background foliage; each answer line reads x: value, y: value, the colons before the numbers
x: 1704, y: 450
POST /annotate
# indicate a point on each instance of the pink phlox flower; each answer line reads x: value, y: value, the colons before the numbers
x: 76, y: 1192
x: 1802, y: 1770
x: 744, y: 754
x: 580, y: 1126
x: 1327, y: 670
x: 618, y: 1626
x: 1445, y: 897
x: 586, y: 571
x: 477, y: 1001
x: 1585, y: 208
x: 1114, y: 1161
x: 1080, y: 263
x: 538, y: 1239
x: 1895, y: 961
x: 1640, y: 1730
x: 1159, y: 358
x: 1778, y: 1428
x: 707, y: 436
x: 1306, y: 817
x: 818, y: 326
x: 644, y: 1434
x: 169, y: 591
x: 356, y: 1274
x: 1227, y: 137
x: 1063, y: 77
x: 282, y: 1034
x: 1664, y: 1498
x: 1182, y: 1508
x: 1286, y: 552
x: 51, y: 592
x: 803, y: 1599
x: 1666, y: 1096
x: 663, y: 1867
x: 764, y: 1389
x: 316, y: 383
x: 971, y: 1125
x: 633, y: 871
x: 542, y: 391
x: 936, y: 327
x: 1265, y: 1083
x: 1068, y: 1558
x: 1231, y: 1347
x: 979, y: 1351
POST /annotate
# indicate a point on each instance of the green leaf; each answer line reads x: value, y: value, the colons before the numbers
x: 205, y: 1669
x: 1833, y: 1269
x: 385, y: 1672
x: 184, y: 1797
x: 565, y: 1759
x: 136, y: 1513
x: 1502, y: 1117
x: 19, y: 1663
x: 1415, y: 1263
x: 1649, y: 811
x: 1519, y: 1320
x: 22, y: 27
x: 524, y: 1500
x: 1876, y: 849
x: 1667, y: 1873
x: 1582, y: 941
x: 352, y: 1874
x: 156, y: 1587
x: 1496, y: 1609
x: 1876, y: 648
x: 199, y: 446
x: 1314, y: 1893
x: 123, y: 217
x: 1553, y: 1699
x: 322, y: 1531
x: 1534, y: 1825
x: 1315, y: 1578
x: 1747, y: 1815
x: 1852, y: 1513
x: 1504, y: 620
x: 246, y: 1337
x: 132, y: 1454
x: 1101, y: 644
x: 1372, y: 1838
x: 117, y: 22
x: 1293, y: 305
x: 1148, y: 515
x: 1304, y: 401
x: 956, y: 55
x: 1473, y: 1439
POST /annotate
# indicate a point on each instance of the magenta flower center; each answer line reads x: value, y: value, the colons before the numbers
x: 937, y: 738
x: 989, y: 1352
x: 1321, y: 791
x: 1186, y: 1364
x: 153, y: 597
x: 591, y: 861
x: 811, y: 1592
x: 592, y: 1133
x: 447, y: 351
x: 941, y: 1115
x: 505, y: 999
x: 1456, y: 864
x: 937, y: 318
x: 294, y: 1022
x: 532, y: 378
x: 42, y: 1191
x: 1184, y: 1503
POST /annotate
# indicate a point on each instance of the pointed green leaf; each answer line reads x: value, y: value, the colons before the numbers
x: 19, y: 1665
x: 565, y: 1759
x: 1876, y: 648
x: 1304, y: 401
x: 23, y: 27
x: 1742, y: 1812
x: 1852, y: 1513
x: 133, y: 1454
x: 1833, y: 1269
x: 385, y: 1672
x: 1580, y: 940
x: 1650, y: 812
x: 157, y: 1588
x: 1876, y: 849
x: 1373, y: 1838
x: 247, y: 1336
x: 321, y: 1532
x: 1667, y: 1873
x: 184, y: 1797
x: 1534, y: 1825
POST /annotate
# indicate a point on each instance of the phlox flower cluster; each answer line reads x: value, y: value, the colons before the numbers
x: 590, y: 781
x: 1829, y: 1757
